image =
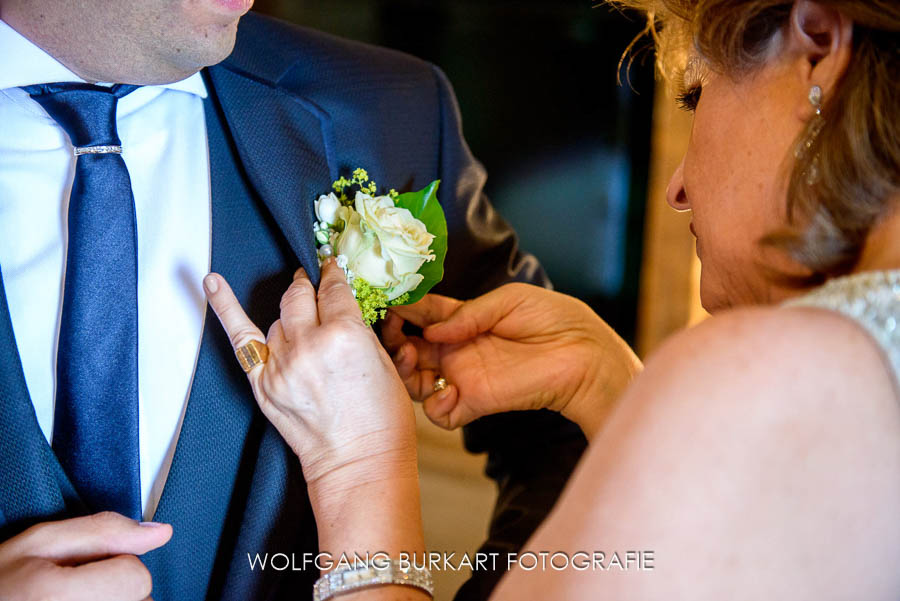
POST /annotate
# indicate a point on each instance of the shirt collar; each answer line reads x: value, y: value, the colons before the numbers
x: 32, y: 65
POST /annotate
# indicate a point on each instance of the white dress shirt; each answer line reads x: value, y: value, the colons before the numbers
x: 163, y: 132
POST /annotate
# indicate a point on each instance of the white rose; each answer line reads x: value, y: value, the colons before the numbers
x: 327, y: 208
x: 402, y: 236
x: 384, y: 244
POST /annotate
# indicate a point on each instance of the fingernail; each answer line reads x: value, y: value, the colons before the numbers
x: 151, y: 524
x: 211, y: 284
x: 444, y: 394
x: 401, y: 354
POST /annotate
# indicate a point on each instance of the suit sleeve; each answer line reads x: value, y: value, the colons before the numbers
x: 530, y: 454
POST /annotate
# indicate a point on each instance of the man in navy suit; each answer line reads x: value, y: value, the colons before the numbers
x: 223, y: 165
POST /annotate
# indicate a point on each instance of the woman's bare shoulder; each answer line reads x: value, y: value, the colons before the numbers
x: 751, y: 450
x: 756, y: 354
x: 797, y: 387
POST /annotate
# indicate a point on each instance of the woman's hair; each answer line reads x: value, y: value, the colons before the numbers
x: 855, y: 156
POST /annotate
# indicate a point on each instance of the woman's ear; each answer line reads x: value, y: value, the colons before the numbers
x: 822, y: 38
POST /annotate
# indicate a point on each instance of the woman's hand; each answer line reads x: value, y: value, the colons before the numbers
x: 330, y: 389
x: 328, y: 386
x: 518, y: 347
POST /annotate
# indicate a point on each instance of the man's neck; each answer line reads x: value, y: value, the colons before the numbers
x: 42, y: 33
x: 101, y: 43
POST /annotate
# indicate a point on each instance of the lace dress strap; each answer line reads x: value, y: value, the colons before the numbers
x: 872, y: 299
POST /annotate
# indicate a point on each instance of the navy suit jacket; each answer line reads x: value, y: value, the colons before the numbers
x: 288, y: 112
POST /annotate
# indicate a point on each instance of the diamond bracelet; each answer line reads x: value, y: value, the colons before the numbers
x: 349, y: 579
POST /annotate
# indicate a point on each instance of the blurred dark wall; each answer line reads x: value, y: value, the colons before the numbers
x: 566, y: 147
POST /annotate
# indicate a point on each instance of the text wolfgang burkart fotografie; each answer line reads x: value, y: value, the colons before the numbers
x: 596, y: 561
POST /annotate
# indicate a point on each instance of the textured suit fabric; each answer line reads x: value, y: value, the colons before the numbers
x: 215, y: 463
x: 290, y: 111
x: 33, y: 486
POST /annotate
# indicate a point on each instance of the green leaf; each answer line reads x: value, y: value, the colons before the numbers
x: 425, y: 207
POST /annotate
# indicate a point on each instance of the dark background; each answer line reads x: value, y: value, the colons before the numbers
x: 565, y: 146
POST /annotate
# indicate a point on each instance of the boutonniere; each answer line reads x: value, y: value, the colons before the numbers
x: 391, y: 247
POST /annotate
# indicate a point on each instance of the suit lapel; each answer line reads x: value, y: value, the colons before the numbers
x: 267, y: 166
x: 281, y: 143
x: 33, y: 486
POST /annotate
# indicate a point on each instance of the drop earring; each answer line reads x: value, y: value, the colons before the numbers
x: 811, y: 174
x: 815, y: 99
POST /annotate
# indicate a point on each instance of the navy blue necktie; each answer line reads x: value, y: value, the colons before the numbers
x: 95, y: 428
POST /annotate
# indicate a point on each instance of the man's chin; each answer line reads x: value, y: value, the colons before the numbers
x: 217, y: 45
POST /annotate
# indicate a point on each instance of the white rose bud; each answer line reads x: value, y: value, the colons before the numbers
x: 385, y: 245
x: 327, y: 208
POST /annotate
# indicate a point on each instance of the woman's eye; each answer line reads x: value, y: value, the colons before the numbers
x: 688, y: 99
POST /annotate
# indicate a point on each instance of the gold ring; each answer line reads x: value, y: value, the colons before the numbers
x: 440, y: 383
x: 252, y: 354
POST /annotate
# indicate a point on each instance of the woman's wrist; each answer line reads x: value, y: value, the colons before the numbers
x: 359, y: 447
x: 329, y: 490
x: 608, y: 372
x: 370, y: 520
x: 369, y: 507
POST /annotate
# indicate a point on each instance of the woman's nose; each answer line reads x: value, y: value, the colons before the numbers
x: 675, y: 194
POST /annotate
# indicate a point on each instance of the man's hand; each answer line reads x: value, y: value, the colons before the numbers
x: 519, y: 347
x: 82, y: 559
